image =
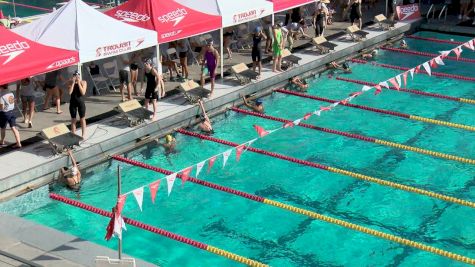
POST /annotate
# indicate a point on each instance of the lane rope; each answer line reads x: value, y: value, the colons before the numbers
x: 336, y: 170
x: 435, y: 40
x: 437, y: 74
x: 361, y: 137
x: 159, y: 231
x: 426, y: 54
x: 382, y: 111
x: 412, y: 91
x: 317, y: 216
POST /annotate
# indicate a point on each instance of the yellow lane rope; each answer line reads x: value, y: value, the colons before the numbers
x: 444, y: 123
x: 234, y: 257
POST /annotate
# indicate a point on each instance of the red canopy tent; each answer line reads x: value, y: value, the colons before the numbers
x: 21, y: 57
x: 281, y: 5
x: 172, y: 21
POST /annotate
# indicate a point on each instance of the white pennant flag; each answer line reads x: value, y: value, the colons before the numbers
x: 426, y: 67
x: 317, y: 112
x: 384, y: 84
x: 444, y: 53
x: 170, y: 180
x: 249, y: 143
x: 411, y: 71
x: 366, y: 88
x: 335, y: 104
x: 199, y: 166
x: 439, y: 61
x: 296, y: 122
x: 226, y: 156
x: 398, y: 79
x: 119, y: 224
x: 138, y: 194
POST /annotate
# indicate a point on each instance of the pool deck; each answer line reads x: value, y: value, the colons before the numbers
x: 111, y: 135
x: 45, y: 246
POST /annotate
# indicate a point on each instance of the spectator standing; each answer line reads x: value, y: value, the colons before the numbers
x: 182, y: 50
x: 77, y: 90
x: 26, y: 90
x: 355, y: 13
x: 124, y: 78
x: 277, y: 47
x: 7, y: 104
x: 134, y: 71
x: 52, y: 90
x: 464, y: 9
x: 227, y: 38
x: 320, y: 17
x: 268, y: 34
x: 256, y: 53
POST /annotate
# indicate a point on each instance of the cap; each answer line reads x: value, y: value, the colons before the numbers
x: 76, y: 73
x: 169, y: 138
x: 280, y: 24
x: 257, y: 29
x: 74, y: 171
x: 210, y: 42
x: 259, y: 101
x: 148, y: 61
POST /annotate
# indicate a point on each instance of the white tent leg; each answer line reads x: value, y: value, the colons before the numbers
x: 222, y: 53
x: 272, y: 19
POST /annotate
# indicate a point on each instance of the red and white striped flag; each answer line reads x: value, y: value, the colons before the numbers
x: 260, y: 131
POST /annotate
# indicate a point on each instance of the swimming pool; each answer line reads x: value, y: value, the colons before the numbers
x: 281, y: 238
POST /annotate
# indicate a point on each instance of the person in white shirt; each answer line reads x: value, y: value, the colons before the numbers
x: 26, y: 90
x: 7, y: 104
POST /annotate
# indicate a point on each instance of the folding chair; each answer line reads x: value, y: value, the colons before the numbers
x: 243, y: 73
x: 323, y: 45
x: 242, y: 37
x: 99, y: 81
x: 289, y: 59
x: 112, y: 72
x: 384, y: 22
x: 355, y: 33
x: 193, y: 92
x: 60, y: 138
x: 133, y: 112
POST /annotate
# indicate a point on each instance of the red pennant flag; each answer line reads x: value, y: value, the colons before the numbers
x: 260, y: 131
x: 417, y: 69
x: 457, y: 52
x: 308, y: 115
x: 378, y: 89
x: 394, y: 83
x: 120, y: 203
x: 355, y: 94
x: 433, y: 64
x: 153, y: 189
x: 325, y: 108
x: 404, y: 78
x: 239, y: 150
x: 110, y: 228
x: 1, y: 15
x: 211, y: 163
x: 288, y: 124
x: 185, y: 175
x: 344, y: 101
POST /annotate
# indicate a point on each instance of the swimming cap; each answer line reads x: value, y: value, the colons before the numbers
x: 169, y: 138
x: 257, y: 29
x: 74, y: 171
x: 259, y: 101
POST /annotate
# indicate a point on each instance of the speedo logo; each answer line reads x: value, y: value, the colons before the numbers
x: 61, y: 63
x: 176, y: 16
x: 12, y: 50
x: 408, y: 10
x: 128, y: 16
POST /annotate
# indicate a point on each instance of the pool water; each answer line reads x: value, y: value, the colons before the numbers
x: 26, y: 11
x: 281, y: 238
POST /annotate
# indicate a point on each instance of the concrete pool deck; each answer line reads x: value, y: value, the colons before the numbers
x: 35, y: 165
x: 44, y: 246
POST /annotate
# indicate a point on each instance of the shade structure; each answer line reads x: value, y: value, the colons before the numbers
x: 232, y: 12
x: 20, y: 57
x: 281, y: 5
x: 77, y: 26
x: 171, y: 20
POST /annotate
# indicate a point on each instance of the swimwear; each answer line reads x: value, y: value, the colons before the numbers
x: 150, y: 92
x: 256, y: 49
x: 355, y: 12
x: 76, y: 103
x: 277, y: 43
x: 211, y: 63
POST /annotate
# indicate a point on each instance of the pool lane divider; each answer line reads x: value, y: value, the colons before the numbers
x: 382, y: 111
x: 355, y: 175
x: 435, y: 40
x: 412, y: 91
x: 437, y: 74
x: 160, y: 231
x: 426, y: 54
x: 310, y: 214
x: 361, y: 137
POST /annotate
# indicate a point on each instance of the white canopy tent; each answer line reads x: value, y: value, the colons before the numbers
x: 77, y: 26
x: 231, y: 12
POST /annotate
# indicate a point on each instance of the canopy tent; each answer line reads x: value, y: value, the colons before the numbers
x: 282, y: 5
x: 232, y: 12
x: 171, y: 20
x: 20, y: 57
x: 77, y: 26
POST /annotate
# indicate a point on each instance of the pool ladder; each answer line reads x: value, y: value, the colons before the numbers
x: 434, y: 8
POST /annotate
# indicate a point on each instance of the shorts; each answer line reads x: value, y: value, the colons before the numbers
x: 76, y: 107
x: 124, y: 77
x: 354, y: 17
x: 182, y: 54
x: 256, y: 55
x: 151, y: 94
x: 7, y: 117
x: 49, y: 86
x: 134, y: 66
x: 27, y: 98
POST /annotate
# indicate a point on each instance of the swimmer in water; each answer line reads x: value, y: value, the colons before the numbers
x: 344, y: 67
x: 403, y: 45
x: 71, y: 177
x: 371, y: 55
x: 258, y: 105
x: 205, y: 123
x: 302, y: 85
x: 170, y: 144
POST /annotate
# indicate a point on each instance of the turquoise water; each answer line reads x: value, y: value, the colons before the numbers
x: 26, y: 11
x: 281, y: 238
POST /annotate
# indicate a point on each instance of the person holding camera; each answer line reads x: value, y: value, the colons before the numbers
x: 77, y: 90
